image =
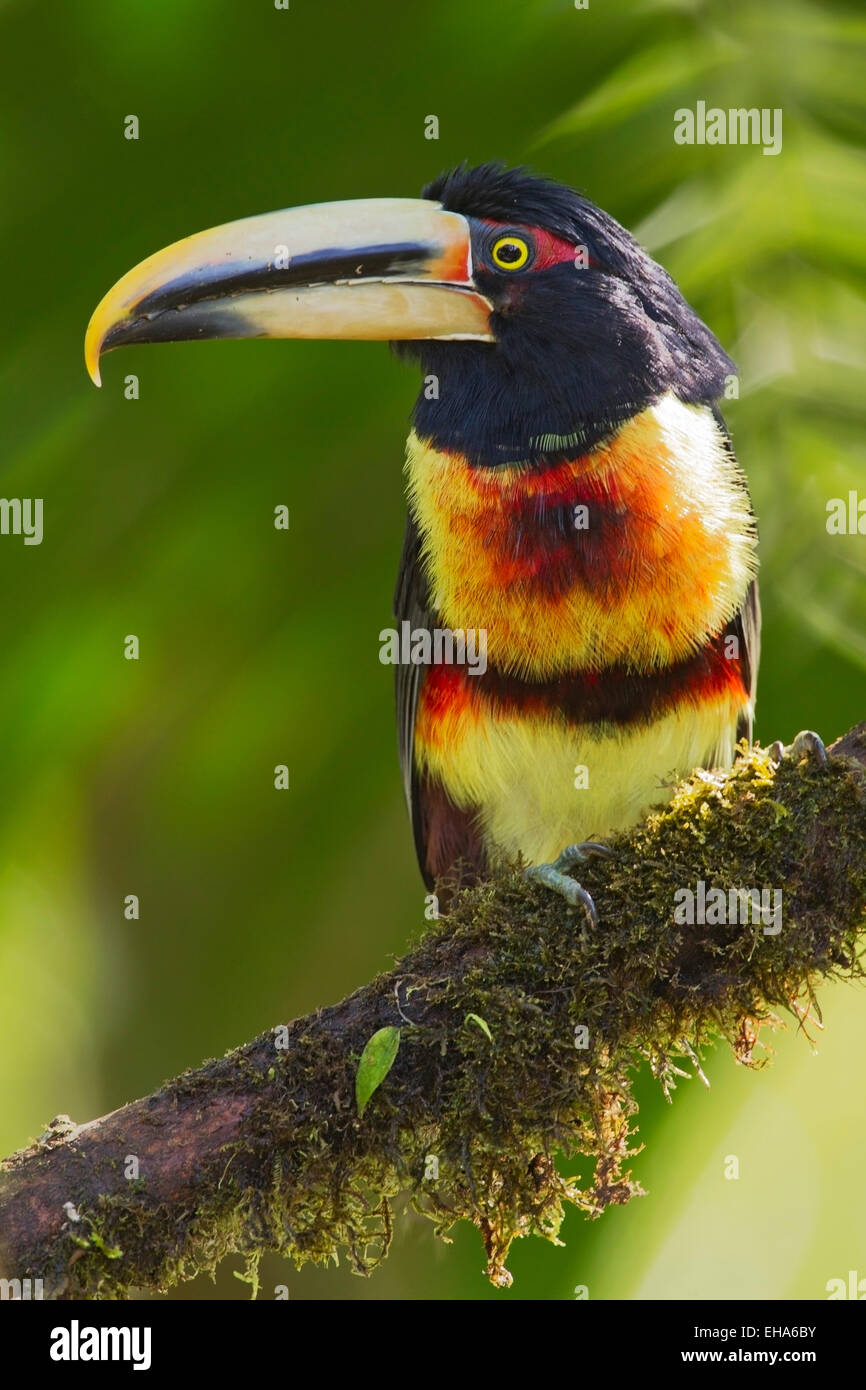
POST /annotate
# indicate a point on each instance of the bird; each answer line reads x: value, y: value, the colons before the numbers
x: 573, y: 497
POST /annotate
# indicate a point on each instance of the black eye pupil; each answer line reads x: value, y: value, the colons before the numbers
x: 509, y: 252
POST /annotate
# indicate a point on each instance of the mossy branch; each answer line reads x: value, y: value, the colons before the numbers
x: 519, y: 1036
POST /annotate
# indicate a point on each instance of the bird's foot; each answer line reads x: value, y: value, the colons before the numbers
x: 806, y: 745
x: 556, y: 875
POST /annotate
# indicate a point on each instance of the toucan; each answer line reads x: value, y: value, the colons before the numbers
x: 573, y: 495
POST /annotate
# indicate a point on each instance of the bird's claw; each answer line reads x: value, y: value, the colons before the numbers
x: 807, y: 744
x: 579, y: 854
x: 556, y: 877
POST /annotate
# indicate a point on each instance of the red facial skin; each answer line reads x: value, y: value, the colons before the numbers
x: 549, y: 249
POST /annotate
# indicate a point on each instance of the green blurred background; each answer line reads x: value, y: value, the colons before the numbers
x: 260, y: 647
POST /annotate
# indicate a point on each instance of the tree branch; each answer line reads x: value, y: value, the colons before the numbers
x: 520, y: 1031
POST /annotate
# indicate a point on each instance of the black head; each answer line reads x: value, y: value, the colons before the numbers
x: 588, y: 329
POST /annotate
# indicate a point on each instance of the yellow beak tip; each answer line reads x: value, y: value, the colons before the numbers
x: 92, y: 345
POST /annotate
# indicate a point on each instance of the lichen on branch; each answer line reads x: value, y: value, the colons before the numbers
x: 520, y: 1036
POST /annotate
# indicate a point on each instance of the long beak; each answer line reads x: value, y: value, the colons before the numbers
x: 382, y: 268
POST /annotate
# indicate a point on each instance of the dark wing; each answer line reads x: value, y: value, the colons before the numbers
x: 412, y: 605
x: 444, y: 833
x: 746, y: 626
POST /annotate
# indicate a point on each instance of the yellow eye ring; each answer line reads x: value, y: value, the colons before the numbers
x: 510, y: 252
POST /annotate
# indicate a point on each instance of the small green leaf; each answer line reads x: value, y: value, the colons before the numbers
x: 481, y: 1022
x: 377, y: 1059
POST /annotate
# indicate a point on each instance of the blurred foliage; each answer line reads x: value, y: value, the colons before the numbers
x: 260, y: 647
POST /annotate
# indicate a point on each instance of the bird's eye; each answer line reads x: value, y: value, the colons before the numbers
x: 509, y: 252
